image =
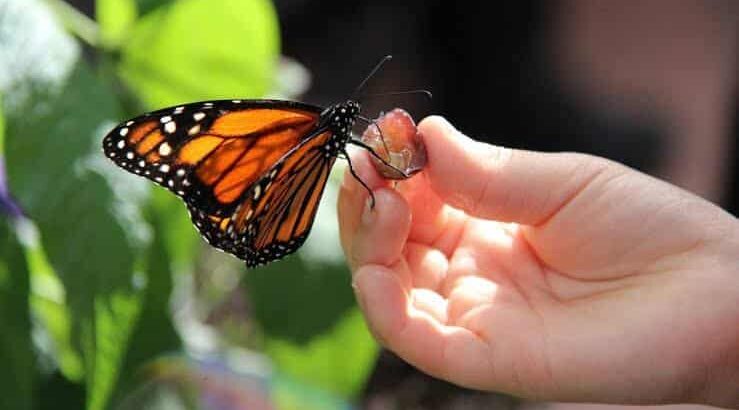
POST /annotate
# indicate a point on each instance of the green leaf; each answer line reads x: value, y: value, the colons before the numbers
x: 155, y: 334
x: 2, y: 132
x: 194, y: 49
x: 115, y: 18
x: 49, y: 307
x: 337, y: 361
x: 290, y: 394
x: 146, y: 6
x: 179, y: 237
x: 16, y: 355
x: 56, y: 172
x: 296, y: 301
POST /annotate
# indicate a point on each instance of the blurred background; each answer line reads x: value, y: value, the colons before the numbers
x: 109, y: 299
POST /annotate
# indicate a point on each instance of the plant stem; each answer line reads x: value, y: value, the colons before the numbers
x: 76, y: 22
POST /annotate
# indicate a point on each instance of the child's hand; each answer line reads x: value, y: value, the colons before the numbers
x: 552, y: 276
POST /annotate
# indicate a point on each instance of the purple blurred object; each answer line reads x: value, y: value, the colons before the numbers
x: 8, y: 206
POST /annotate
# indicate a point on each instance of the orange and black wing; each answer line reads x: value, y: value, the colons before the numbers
x: 211, y: 153
x: 275, y: 216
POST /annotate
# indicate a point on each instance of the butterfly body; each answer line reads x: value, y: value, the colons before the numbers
x: 251, y: 172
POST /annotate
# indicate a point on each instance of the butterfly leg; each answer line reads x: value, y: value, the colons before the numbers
x: 382, y: 137
x: 354, y: 174
x: 376, y: 155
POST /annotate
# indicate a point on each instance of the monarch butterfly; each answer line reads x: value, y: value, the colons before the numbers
x: 251, y: 172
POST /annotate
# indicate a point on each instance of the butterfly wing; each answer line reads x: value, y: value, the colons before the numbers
x: 251, y: 172
x: 210, y: 153
x: 275, y: 216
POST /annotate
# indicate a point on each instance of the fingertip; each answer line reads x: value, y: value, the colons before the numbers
x: 434, y: 124
x: 359, y: 160
x: 383, y: 230
x: 456, y: 164
x: 353, y: 196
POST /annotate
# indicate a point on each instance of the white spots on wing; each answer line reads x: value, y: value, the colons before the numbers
x: 257, y: 192
x: 170, y: 183
x: 165, y: 119
x: 208, y: 104
x: 158, y: 179
x: 129, y: 123
x: 121, y: 144
x: 170, y: 127
x: 186, y: 182
x: 129, y: 155
x: 165, y: 149
x: 178, y: 110
x: 180, y: 172
x: 236, y: 101
x: 194, y: 130
x: 142, y: 163
x: 123, y: 131
x: 198, y: 116
x: 164, y: 168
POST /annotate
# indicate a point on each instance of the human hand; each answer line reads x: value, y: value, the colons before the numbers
x: 552, y: 276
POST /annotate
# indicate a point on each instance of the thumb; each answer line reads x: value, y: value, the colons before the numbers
x: 504, y: 184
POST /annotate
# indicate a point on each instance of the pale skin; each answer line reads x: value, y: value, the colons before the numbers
x: 559, y: 277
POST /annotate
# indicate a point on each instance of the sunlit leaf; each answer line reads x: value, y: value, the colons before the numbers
x: 197, y: 49
x: 338, y: 361
x: 115, y: 18
x: 179, y: 237
x: 49, y: 306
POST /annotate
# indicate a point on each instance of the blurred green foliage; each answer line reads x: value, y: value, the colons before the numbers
x: 89, y: 276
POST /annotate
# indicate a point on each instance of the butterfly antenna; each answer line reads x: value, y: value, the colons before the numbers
x: 427, y: 93
x: 359, y: 88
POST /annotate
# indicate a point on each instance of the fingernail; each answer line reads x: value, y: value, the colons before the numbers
x: 368, y: 214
